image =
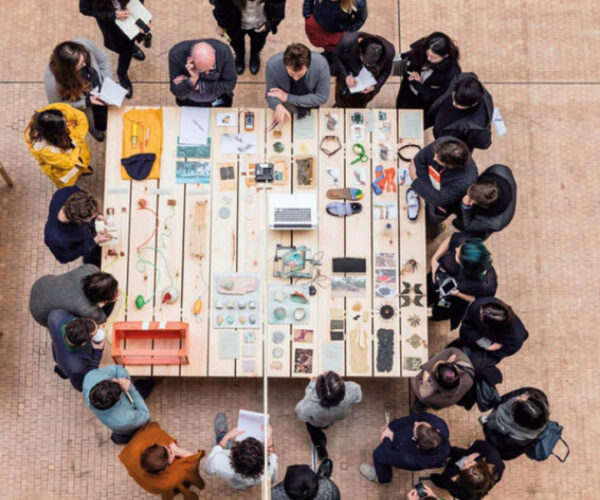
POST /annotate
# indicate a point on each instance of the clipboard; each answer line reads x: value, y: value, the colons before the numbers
x: 139, y: 17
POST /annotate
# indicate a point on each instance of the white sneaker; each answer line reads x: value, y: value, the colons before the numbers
x: 368, y: 471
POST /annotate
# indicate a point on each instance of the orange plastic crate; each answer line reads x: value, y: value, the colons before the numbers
x: 160, y: 354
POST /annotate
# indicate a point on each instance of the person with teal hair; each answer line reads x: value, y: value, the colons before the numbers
x: 461, y: 271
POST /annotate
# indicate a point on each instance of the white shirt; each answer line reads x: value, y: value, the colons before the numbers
x: 217, y: 463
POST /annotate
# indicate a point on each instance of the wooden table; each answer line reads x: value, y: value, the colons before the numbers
x: 195, y: 241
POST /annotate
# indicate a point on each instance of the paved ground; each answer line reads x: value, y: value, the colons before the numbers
x: 541, y: 63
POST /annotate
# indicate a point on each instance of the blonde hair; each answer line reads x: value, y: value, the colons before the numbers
x: 348, y: 6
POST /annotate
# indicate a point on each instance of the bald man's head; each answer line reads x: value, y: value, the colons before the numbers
x: 203, y: 56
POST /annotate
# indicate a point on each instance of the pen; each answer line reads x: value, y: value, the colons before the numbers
x: 198, y: 125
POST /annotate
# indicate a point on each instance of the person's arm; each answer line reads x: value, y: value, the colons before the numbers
x: 447, y: 195
x: 226, y: 83
x: 277, y: 15
x: 360, y: 16
x: 220, y: 11
x: 215, y: 457
x: 479, y: 139
x: 102, y: 61
x: 316, y: 98
x: 88, y: 8
x: 140, y: 414
x: 307, y: 8
x: 359, y: 392
x: 398, y: 423
x: 271, y: 75
x: 176, y: 68
x: 273, y: 467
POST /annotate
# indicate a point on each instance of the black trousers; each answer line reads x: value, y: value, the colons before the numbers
x: 257, y: 41
x: 317, y: 436
x: 100, y: 114
x: 227, y: 101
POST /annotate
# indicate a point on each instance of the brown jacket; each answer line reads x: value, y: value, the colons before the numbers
x: 181, y: 470
x: 430, y: 393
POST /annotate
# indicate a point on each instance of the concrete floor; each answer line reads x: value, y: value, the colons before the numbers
x: 541, y: 63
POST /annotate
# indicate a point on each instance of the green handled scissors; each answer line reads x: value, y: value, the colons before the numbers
x: 361, y: 154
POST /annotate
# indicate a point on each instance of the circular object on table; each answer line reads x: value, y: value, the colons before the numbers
x: 386, y: 312
x: 278, y: 337
x: 276, y: 365
x: 230, y: 320
x: 279, y: 313
x: 224, y: 213
x: 250, y: 198
x: 278, y: 147
x: 299, y: 313
x: 408, y: 151
x: 252, y: 319
x: 277, y: 352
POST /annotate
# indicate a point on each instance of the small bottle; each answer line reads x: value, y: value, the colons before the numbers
x: 134, y: 135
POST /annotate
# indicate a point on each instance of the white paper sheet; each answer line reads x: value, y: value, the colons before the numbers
x: 333, y: 357
x: 136, y: 11
x: 499, y: 122
x: 194, y: 125
x: 235, y: 144
x: 112, y: 93
x: 251, y: 423
x: 365, y: 79
x: 229, y: 344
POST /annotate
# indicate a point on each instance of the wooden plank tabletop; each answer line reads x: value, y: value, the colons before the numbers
x: 187, y: 237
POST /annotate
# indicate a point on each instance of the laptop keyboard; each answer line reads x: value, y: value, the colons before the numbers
x: 292, y: 215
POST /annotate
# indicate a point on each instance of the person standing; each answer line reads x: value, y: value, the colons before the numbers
x: 56, y: 139
x: 297, y: 81
x: 431, y: 64
x: 107, y: 12
x: 253, y: 18
x: 464, y: 111
x: 116, y: 401
x: 69, y: 232
x: 202, y: 73
x: 417, y: 442
x: 327, y: 400
x: 327, y: 20
x: 301, y: 482
x: 77, y: 346
x: 76, y: 68
x: 354, y: 52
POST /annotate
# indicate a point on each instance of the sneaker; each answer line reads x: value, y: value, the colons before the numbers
x: 99, y: 135
x: 254, y: 62
x: 138, y: 54
x: 221, y: 426
x: 368, y: 471
x: 240, y: 63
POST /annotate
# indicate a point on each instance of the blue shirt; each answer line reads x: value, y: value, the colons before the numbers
x: 75, y: 362
x: 67, y: 240
x: 124, y: 416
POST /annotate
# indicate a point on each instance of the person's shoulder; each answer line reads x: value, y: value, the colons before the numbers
x: 181, y: 47
x: 318, y: 61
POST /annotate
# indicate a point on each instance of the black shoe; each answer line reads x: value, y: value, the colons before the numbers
x: 138, y: 54
x: 99, y: 135
x: 417, y: 407
x: 148, y: 40
x: 325, y: 469
x: 125, y: 82
x: 240, y: 63
x: 321, y: 451
x: 254, y: 62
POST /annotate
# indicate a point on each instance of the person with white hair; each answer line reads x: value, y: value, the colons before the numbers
x: 202, y: 73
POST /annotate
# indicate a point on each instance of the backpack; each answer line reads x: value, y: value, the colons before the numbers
x: 545, y: 443
x: 487, y: 395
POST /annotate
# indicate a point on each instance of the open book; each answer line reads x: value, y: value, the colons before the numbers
x: 136, y: 11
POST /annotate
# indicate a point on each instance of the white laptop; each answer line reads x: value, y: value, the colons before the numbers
x: 293, y: 211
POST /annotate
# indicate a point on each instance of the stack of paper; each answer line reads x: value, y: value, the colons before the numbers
x: 112, y: 93
x: 252, y: 424
x: 194, y: 125
x: 365, y: 79
x: 136, y: 11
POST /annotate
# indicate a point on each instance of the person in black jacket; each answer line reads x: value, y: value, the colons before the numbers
x: 255, y: 18
x: 328, y: 20
x: 202, y: 73
x: 490, y: 203
x: 469, y: 263
x: 431, y: 64
x: 516, y: 423
x: 106, y: 13
x: 471, y: 473
x: 490, y: 326
x: 441, y: 173
x: 464, y: 111
x: 354, y: 52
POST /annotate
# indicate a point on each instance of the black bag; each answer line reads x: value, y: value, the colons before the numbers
x: 487, y: 395
x: 544, y: 445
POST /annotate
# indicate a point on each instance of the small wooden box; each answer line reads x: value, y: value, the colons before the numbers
x: 159, y: 355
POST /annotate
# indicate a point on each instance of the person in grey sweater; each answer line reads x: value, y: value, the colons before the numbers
x: 297, y: 80
x: 327, y: 400
x: 82, y: 57
x: 302, y: 482
x: 115, y: 400
x: 85, y: 292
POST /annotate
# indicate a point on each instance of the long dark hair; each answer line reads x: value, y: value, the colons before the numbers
x: 439, y: 43
x: 50, y: 125
x: 63, y: 65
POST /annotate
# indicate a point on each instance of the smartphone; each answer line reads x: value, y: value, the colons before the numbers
x: 248, y: 121
x: 420, y: 490
x: 448, y: 286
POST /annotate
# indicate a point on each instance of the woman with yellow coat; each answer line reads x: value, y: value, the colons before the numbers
x: 56, y: 138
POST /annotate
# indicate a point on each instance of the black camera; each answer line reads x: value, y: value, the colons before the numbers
x: 421, y: 490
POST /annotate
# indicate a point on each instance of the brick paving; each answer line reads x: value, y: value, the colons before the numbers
x: 536, y: 57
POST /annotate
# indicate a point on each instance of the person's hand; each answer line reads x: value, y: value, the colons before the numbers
x: 191, y: 69
x: 178, y: 79
x: 441, y: 209
x: 368, y: 90
x: 387, y: 433
x: 434, y: 267
x: 412, y: 170
x: 471, y: 460
x: 122, y: 14
x: 467, y: 201
x: 261, y: 29
x: 414, y: 495
x: 414, y: 76
x: 269, y: 434
x: 426, y: 376
x: 102, y: 237
x: 452, y: 358
x: 351, y: 82
x: 220, y: 31
x: 125, y: 383
x: 282, y: 95
x: 281, y: 115
x: 94, y: 99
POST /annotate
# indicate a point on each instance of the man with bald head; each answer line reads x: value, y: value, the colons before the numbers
x: 202, y: 73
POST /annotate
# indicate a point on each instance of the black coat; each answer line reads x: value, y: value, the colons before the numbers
x: 472, y: 329
x: 346, y: 58
x: 114, y: 38
x: 465, y: 129
x: 338, y: 21
x: 482, y: 223
x: 485, y: 450
x: 229, y: 16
